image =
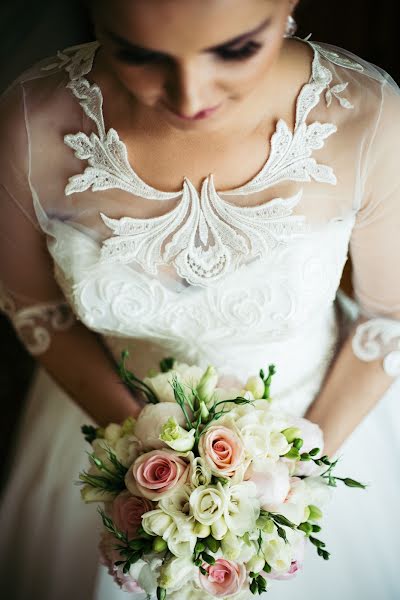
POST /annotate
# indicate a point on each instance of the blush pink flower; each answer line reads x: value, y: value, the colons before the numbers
x: 108, y: 556
x: 296, y: 564
x: 127, y: 511
x: 225, y: 578
x: 222, y: 450
x: 156, y: 474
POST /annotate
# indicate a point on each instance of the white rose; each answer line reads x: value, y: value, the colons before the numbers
x: 208, y: 503
x: 151, y: 421
x: 242, y: 509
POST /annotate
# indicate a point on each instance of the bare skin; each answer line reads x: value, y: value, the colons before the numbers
x: 250, y: 94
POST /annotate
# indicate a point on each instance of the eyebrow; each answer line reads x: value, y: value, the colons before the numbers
x: 233, y: 41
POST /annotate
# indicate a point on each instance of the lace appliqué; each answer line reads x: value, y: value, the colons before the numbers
x: 379, y: 338
x: 34, y: 324
x: 206, y: 242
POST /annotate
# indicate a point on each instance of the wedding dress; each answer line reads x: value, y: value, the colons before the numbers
x: 240, y: 278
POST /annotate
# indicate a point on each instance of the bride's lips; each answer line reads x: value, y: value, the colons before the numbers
x: 200, y: 116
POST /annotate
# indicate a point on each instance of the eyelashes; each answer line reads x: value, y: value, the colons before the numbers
x: 227, y: 54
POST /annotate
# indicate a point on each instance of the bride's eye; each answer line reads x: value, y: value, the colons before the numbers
x: 242, y: 52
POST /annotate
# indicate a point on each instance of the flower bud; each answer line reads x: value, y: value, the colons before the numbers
x: 176, y: 437
x: 291, y: 433
x: 201, y: 531
x: 128, y: 426
x: 159, y: 545
x: 315, y: 513
x: 255, y: 564
x: 219, y: 529
x: 112, y: 432
x: 256, y: 386
x: 204, y: 412
x: 230, y: 546
x: 207, y: 385
x: 212, y: 544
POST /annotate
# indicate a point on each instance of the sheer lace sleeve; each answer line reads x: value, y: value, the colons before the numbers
x: 29, y: 295
x: 375, y: 241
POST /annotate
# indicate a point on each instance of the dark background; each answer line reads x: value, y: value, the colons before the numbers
x: 32, y: 29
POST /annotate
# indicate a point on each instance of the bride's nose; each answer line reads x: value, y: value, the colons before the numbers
x: 188, y: 87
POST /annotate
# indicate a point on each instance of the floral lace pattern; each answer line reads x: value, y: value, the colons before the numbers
x: 204, y: 237
x: 34, y: 324
x: 379, y: 338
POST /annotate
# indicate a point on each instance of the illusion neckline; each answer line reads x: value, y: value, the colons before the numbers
x: 82, y: 64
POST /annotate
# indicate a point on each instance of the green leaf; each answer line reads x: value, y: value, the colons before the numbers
x: 281, y: 520
x: 352, y: 483
x: 314, y: 451
x: 316, y: 542
x: 208, y: 558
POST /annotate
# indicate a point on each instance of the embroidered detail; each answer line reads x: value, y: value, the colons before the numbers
x: 335, y: 58
x: 34, y: 324
x: 335, y: 92
x: 210, y: 237
x: 76, y: 60
x: 379, y: 338
x: 208, y: 244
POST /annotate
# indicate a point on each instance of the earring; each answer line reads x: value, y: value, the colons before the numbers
x: 291, y: 27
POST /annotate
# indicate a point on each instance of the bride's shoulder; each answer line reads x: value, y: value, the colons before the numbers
x: 43, y: 88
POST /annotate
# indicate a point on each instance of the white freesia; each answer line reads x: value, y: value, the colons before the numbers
x: 231, y: 546
x: 152, y: 420
x: 175, y: 572
x: 242, y: 509
x: 177, y: 504
x: 277, y: 554
x: 208, y: 503
x: 176, y: 437
x: 256, y: 386
x: 272, y: 481
x: 199, y: 474
x: 181, y: 539
x: 188, y: 376
x: 146, y: 573
x: 157, y: 522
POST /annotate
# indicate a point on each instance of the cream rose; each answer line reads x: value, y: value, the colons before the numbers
x: 208, y: 503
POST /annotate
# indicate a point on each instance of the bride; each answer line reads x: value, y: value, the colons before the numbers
x: 191, y: 184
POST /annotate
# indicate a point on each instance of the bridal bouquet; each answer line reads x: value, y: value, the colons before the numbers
x: 212, y: 491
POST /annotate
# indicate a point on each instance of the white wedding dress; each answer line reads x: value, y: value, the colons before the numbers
x: 240, y: 279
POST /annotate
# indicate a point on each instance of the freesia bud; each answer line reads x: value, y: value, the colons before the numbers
x: 202, y: 531
x: 291, y: 433
x: 315, y: 513
x: 207, y: 384
x: 256, y: 386
x: 159, y: 545
x: 255, y: 564
x: 219, y: 529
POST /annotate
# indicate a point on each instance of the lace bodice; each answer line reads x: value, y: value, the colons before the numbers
x: 235, y: 277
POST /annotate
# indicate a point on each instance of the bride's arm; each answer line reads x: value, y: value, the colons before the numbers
x: 72, y: 354
x: 351, y: 390
x: 369, y: 360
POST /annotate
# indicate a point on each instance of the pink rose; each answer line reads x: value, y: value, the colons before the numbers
x: 156, y: 474
x: 127, y: 511
x: 224, y: 578
x: 273, y: 483
x: 222, y: 450
x: 108, y: 556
